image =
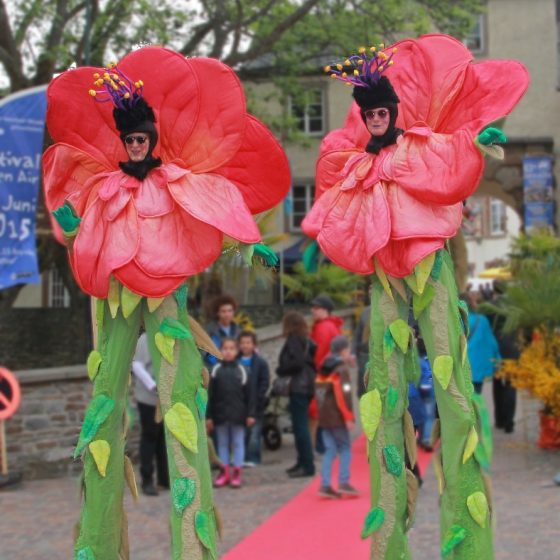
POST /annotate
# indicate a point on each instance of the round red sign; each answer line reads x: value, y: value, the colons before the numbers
x: 10, y: 394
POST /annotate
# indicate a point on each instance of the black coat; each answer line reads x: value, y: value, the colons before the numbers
x: 260, y: 377
x: 231, y: 395
x: 297, y: 361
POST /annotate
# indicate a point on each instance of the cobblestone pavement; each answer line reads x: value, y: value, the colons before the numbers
x: 36, y: 520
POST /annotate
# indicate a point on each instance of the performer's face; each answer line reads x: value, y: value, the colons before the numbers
x: 137, y: 145
x: 377, y: 120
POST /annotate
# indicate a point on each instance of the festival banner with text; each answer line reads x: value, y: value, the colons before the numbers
x: 22, y: 124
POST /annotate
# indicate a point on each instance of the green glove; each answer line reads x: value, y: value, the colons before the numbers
x: 266, y: 253
x: 67, y: 219
x: 490, y: 136
x: 311, y: 257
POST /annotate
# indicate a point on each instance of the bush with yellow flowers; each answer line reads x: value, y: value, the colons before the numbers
x: 538, y: 371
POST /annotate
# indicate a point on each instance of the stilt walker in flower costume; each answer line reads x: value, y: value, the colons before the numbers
x: 390, y: 189
x: 199, y: 166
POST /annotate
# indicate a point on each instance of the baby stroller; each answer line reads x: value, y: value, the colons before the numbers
x: 276, y: 418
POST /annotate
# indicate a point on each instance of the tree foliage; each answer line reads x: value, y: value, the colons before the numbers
x: 41, y: 37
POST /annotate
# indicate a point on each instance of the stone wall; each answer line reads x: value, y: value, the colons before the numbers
x: 42, y: 435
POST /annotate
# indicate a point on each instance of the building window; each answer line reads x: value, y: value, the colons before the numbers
x: 309, y: 112
x: 475, y: 40
x: 58, y: 294
x: 303, y: 195
x: 497, y: 217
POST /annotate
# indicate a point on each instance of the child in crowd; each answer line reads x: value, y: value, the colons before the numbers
x: 231, y: 407
x: 333, y: 391
x: 259, y: 377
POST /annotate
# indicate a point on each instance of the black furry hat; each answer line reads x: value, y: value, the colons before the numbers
x: 380, y: 94
x: 136, y: 116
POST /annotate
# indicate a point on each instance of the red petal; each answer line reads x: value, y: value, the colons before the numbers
x: 101, y: 247
x: 329, y: 169
x: 260, y: 169
x: 213, y: 199
x: 66, y: 174
x: 136, y: 280
x: 398, y: 258
x: 221, y: 118
x: 152, y: 197
x: 75, y: 118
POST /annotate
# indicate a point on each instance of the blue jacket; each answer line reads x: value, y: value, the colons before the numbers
x: 482, y: 347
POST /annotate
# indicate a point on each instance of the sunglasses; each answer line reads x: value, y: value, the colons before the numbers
x: 370, y: 114
x: 131, y: 139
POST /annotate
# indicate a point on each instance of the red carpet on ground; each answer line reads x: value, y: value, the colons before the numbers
x: 310, y: 528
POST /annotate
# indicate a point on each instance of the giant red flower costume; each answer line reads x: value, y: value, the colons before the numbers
x: 220, y: 166
x: 401, y: 205
x: 136, y: 230
x: 386, y: 203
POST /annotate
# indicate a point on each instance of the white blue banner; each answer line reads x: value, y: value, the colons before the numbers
x: 538, y: 192
x: 22, y: 126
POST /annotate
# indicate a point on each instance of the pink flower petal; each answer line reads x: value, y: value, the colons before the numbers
x: 215, y: 200
x: 411, y: 217
x: 101, y: 247
x: 176, y: 244
x: 152, y: 197
x: 354, y: 227
x: 439, y: 169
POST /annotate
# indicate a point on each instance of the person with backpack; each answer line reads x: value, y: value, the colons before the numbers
x: 333, y: 391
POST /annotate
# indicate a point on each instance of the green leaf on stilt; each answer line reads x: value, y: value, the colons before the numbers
x: 183, y: 492
x: 443, y: 369
x: 393, y: 460
x: 373, y: 521
x: 422, y: 271
x: 154, y: 303
x: 392, y: 399
x: 464, y: 312
x: 388, y: 345
x: 205, y: 531
x: 247, y: 251
x: 201, y: 400
x: 438, y: 263
x: 181, y: 422
x: 85, y: 553
x: 165, y: 345
x: 463, y: 342
x: 97, y: 412
x: 454, y: 536
x: 421, y: 301
x: 129, y: 301
x: 113, y: 298
x: 99, y: 312
x: 383, y: 279
x: 411, y: 283
x: 93, y: 362
x: 399, y: 286
x: 181, y: 294
x: 478, y: 507
x: 174, y: 328
x: 100, y: 451
x: 470, y: 445
x: 401, y: 334
x: 482, y: 457
x: 370, y: 412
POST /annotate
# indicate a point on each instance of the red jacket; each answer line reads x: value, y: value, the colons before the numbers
x: 322, y: 333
